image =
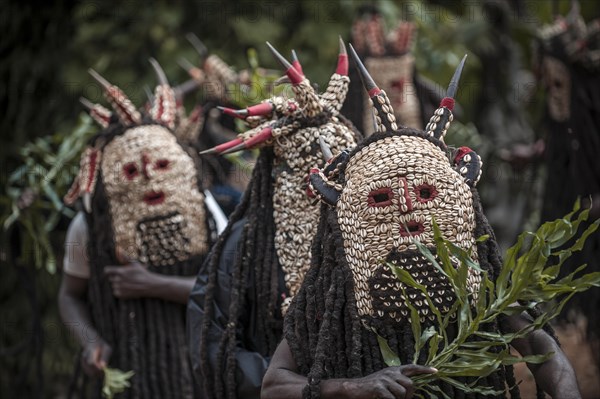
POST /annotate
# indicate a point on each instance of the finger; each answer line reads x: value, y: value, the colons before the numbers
x: 97, y: 357
x: 105, y: 356
x: 120, y: 255
x: 123, y: 257
x: 415, y: 369
x: 397, y: 390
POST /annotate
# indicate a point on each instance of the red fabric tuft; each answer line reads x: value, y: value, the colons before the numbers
x: 447, y: 102
x: 460, y: 153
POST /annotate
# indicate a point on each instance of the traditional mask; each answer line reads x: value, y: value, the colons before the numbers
x: 391, y: 64
x: 387, y: 194
x: 151, y: 183
x: 293, y: 127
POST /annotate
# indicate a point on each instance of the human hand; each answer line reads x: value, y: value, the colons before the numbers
x: 95, y: 357
x: 389, y: 383
x: 130, y: 281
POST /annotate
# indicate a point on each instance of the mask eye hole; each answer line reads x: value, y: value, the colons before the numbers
x: 131, y: 170
x: 162, y: 164
x: 380, y: 197
x: 425, y: 192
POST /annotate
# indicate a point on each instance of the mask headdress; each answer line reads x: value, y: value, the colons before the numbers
x: 305, y: 94
x: 162, y: 110
x: 384, y: 114
x: 99, y: 113
x: 119, y: 102
x: 440, y: 121
x: 307, y: 103
x: 464, y: 160
x: 213, y: 71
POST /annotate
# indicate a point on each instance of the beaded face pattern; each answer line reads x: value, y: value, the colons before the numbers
x: 156, y: 207
x: 394, y: 188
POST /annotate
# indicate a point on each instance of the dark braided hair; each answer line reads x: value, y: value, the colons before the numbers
x: 324, y: 331
x: 147, y: 335
x: 256, y: 260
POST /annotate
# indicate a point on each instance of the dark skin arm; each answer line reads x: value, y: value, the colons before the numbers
x: 283, y: 381
x: 76, y: 316
x: 555, y: 376
x: 134, y: 280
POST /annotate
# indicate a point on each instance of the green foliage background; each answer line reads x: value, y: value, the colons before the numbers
x: 46, y: 51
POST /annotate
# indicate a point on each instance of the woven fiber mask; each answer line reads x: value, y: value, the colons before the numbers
x: 293, y: 128
x: 151, y: 183
x: 387, y: 193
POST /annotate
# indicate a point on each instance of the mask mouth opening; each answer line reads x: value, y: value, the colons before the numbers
x: 154, y: 197
x: 411, y: 228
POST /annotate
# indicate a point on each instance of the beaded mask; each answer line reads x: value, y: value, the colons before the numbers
x: 293, y: 128
x: 387, y: 194
x: 157, y: 209
x: 214, y: 75
x: 391, y: 64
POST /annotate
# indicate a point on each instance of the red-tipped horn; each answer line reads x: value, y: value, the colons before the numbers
x: 264, y: 135
x: 342, y: 66
x: 261, y: 109
x: 384, y: 113
x: 296, y: 63
x: 295, y: 76
x: 219, y: 149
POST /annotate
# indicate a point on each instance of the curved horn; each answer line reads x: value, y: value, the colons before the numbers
x: 160, y: 73
x: 164, y: 105
x: 195, y: 73
x: 99, y: 113
x: 442, y: 117
x: 318, y: 185
x: 384, y: 113
x: 296, y: 63
x: 198, y: 45
x: 325, y: 149
x: 119, y: 102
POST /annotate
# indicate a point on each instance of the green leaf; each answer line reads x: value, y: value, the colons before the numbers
x: 115, y: 381
x: 525, y: 281
x: 389, y: 357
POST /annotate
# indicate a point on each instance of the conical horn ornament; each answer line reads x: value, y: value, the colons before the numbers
x: 384, y: 113
x: 442, y: 117
x: 164, y: 105
x: 99, y: 113
x: 119, y: 102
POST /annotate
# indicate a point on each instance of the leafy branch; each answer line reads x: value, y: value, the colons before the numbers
x: 527, y: 279
x: 115, y: 381
x: 35, y: 189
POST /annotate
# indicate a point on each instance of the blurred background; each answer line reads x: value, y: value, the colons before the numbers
x: 47, y: 50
